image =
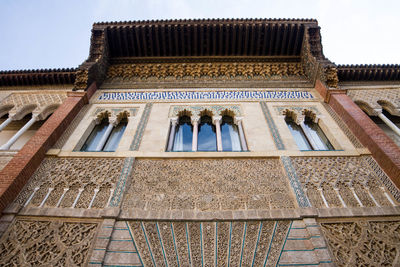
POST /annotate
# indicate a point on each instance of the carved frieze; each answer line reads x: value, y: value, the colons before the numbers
x: 205, y: 70
x: 216, y: 110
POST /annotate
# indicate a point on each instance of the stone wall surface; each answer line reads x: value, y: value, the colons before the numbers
x: 58, y: 181
x: 344, y: 182
x: 364, y: 243
x: 42, y: 242
x: 208, y: 185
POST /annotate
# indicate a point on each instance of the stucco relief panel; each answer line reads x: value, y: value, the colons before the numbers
x: 208, y: 185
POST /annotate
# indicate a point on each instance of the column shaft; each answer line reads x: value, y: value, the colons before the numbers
x: 104, y: 138
x: 172, y: 134
x: 195, y: 123
x: 387, y: 122
x: 217, y: 121
x: 5, y: 123
x: 241, y: 136
x: 21, y: 131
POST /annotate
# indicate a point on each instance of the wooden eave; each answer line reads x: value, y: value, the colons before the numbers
x: 355, y: 73
x: 37, y: 77
x: 206, y: 38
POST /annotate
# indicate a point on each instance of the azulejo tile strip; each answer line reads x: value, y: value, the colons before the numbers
x: 383, y: 177
x: 210, y: 94
x: 140, y: 129
x: 275, y: 133
x: 120, y: 186
x: 302, y: 200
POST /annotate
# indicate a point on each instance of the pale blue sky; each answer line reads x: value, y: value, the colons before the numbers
x: 56, y: 34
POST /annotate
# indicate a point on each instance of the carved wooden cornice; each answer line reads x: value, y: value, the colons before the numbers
x: 205, y: 70
x: 37, y: 77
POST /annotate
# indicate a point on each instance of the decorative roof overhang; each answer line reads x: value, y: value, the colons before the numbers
x: 206, y: 37
x: 37, y: 77
x: 292, y: 40
x: 358, y: 73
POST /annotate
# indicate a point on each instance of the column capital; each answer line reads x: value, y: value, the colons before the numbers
x: 174, y: 120
x: 195, y: 119
x: 237, y: 120
x: 216, y: 119
x: 114, y: 121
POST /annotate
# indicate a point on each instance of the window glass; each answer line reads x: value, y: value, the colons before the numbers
x: 183, y: 135
x: 207, y: 139
x: 95, y: 136
x: 115, y: 136
x: 230, y: 135
x: 319, y: 138
x: 298, y: 135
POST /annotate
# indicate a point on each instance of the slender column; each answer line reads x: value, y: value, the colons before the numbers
x: 195, y: 122
x: 356, y: 197
x: 387, y: 196
x: 217, y: 122
x: 80, y: 190
x: 21, y: 131
x: 389, y: 123
x: 32, y: 195
x: 46, y: 197
x: 238, y: 122
x: 174, y: 122
x: 372, y: 197
x: 5, y: 123
x: 96, y: 190
x: 309, y: 137
x: 62, y: 196
x: 104, y: 138
x: 111, y: 195
x: 323, y: 197
x: 340, y: 197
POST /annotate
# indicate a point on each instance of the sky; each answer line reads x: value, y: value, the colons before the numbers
x: 38, y: 34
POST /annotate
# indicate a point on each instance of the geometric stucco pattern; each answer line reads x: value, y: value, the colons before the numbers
x: 225, y: 184
x: 73, y: 182
x: 364, y: 243
x: 30, y: 242
x: 39, y: 102
x: 237, y: 243
x: 390, y: 99
x: 341, y: 182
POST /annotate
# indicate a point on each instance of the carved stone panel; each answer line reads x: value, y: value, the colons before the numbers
x: 211, y: 184
x: 364, y: 243
x: 62, y: 179
x: 344, y: 182
x: 31, y: 242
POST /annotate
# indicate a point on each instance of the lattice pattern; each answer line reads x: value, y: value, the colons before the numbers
x: 334, y: 180
x: 364, y: 243
x: 46, y: 243
x: 67, y: 176
x: 216, y: 184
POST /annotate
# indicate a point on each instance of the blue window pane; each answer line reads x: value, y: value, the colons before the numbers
x: 230, y: 135
x: 317, y: 135
x: 298, y: 135
x: 183, y: 135
x: 95, y: 136
x: 115, y: 137
x: 207, y: 139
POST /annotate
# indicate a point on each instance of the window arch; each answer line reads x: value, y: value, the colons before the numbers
x: 106, y: 134
x: 230, y: 134
x: 200, y: 130
x: 207, y: 135
x: 183, y: 134
x: 306, y: 132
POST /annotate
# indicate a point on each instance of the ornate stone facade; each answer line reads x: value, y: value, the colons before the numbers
x: 342, y: 182
x: 33, y: 242
x: 364, y: 243
x: 225, y: 184
x: 68, y: 182
x: 216, y: 110
x: 374, y: 100
x: 19, y: 104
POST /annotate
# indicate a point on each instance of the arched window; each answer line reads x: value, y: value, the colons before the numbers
x: 183, y: 135
x: 230, y: 135
x: 207, y: 138
x: 308, y: 135
x: 298, y: 134
x: 104, y: 136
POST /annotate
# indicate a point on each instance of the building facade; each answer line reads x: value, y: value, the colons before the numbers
x: 201, y: 143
